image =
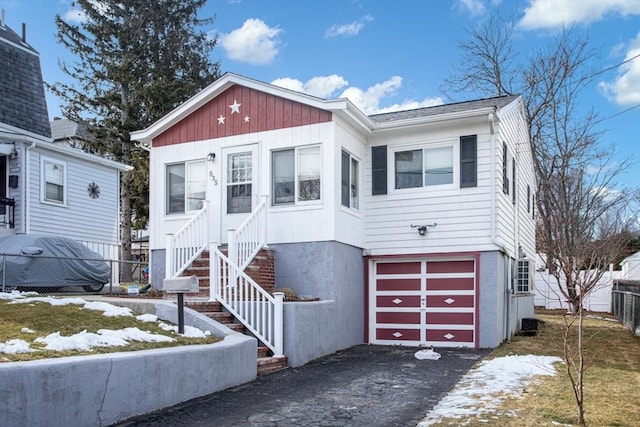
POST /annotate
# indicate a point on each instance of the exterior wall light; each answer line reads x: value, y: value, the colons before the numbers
x: 422, y: 229
x: 211, y: 157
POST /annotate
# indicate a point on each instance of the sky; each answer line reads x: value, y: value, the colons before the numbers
x: 389, y: 55
x: 477, y: 395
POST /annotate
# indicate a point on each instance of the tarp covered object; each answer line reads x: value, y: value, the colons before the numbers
x: 32, y: 260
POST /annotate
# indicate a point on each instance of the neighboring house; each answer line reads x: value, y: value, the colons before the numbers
x: 44, y: 187
x: 631, y: 267
x: 416, y: 227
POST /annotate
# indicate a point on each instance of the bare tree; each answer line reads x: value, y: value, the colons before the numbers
x: 582, y: 212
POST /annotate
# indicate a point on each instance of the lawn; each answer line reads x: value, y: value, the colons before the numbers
x: 612, y: 381
x: 28, y: 321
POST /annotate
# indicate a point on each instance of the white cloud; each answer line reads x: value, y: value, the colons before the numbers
x: 625, y: 89
x: 74, y: 16
x: 368, y: 100
x: 348, y: 30
x: 255, y: 42
x: 474, y: 7
x: 322, y: 86
x: 555, y: 14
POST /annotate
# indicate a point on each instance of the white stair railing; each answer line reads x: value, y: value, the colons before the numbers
x: 246, y: 241
x: 255, y: 308
x: 185, y: 245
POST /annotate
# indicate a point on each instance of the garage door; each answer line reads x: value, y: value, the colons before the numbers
x: 423, y: 302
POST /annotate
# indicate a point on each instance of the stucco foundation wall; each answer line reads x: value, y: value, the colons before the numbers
x: 104, y: 389
x: 157, y: 267
x: 333, y: 272
x: 491, y: 300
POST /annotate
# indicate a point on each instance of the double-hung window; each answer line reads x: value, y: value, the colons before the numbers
x: 350, y: 192
x: 424, y: 167
x: 186, y: 186
x: 54, y: 179
x: 295, y: 175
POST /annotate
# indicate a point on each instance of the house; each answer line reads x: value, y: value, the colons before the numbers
x: 414, y: 227
x: 631, y: 267
x: 48, y: 188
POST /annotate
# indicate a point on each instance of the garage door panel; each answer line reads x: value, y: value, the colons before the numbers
x: 398, y: 301
x: 452, y: 301
x: 398, y: 334
x: 465, y: 266
x: 398, y: 267
x: 449, y: 318
x: 448, y: 335
x: 398, y: 285
x: 398, y: 318
x: 450, y: 284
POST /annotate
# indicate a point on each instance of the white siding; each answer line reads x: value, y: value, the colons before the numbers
x: 515, y: 226
x: 82, y: 218
x: 462, y: 215
x: 286, y: 224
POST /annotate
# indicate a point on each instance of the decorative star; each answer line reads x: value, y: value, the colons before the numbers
x: 246, y: 119
x: 235, y: 107
x: 221, y: 120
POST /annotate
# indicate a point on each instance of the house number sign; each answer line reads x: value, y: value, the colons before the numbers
x: 213, y: 178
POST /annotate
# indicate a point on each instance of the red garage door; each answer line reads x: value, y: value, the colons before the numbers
x: 423, y: 302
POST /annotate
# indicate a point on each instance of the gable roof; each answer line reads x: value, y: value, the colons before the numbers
x: 199, y: 112
x: 23, y: 105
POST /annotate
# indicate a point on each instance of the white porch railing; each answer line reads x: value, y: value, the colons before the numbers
x: 186, y: 244
x: 255, y: 308
x: 251, y: 236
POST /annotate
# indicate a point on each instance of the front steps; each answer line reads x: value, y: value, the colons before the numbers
x: 267, y: 363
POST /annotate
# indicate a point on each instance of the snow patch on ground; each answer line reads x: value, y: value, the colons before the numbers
x: 483, y: 389
x: 85, y: 341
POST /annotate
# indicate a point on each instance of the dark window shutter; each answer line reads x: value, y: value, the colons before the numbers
x: 345, y: 179
x: 468, y: 161
x: 528, y: 199
x: 505, y: 176
x: 513, y: 181
x: 379, y: 170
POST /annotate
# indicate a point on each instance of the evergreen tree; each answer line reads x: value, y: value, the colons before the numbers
x: 134, y: 61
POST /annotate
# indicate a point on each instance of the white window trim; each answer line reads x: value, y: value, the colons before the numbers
x: 391, y: 161
x: 186, y: 181
x: 360, y: 177
x: 43, y: 182
x: 296, y: 202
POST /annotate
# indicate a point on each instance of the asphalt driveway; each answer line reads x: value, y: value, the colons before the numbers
x: 361, y: 386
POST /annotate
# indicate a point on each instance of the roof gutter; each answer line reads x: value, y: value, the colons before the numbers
x: 419, y: 121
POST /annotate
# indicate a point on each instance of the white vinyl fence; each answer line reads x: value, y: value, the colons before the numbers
x: 548, y: 295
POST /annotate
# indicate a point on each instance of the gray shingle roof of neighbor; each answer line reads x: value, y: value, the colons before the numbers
x: 23, y: 104
x: 477, y: 104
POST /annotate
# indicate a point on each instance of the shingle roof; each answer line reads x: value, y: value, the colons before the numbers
x: 23, y: 105
x: 477, y: 104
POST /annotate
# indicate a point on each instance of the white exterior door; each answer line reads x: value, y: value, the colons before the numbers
x: 239, y: 185
x: 423, y: 302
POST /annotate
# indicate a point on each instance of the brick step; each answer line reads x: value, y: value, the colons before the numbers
x: 264, y: 352
x: 268, y: 365
x: 204, y: 305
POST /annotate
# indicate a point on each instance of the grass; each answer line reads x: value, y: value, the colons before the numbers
x: 43, y: 319
x: 612, y: 381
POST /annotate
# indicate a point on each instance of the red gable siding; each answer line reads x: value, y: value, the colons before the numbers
x: 264, y: 112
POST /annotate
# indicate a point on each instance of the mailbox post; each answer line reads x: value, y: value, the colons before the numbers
x: 180, y: 285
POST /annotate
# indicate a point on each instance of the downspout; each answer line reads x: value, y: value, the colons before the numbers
x: 26, y: 200
x: 493, y: 225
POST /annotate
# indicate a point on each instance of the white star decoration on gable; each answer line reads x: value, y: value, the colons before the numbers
x: 235, y: 107
x: 246, y: 119
x: 221, y: 120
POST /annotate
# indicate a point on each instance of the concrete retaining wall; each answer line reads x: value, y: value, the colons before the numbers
x: 104, y: 389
